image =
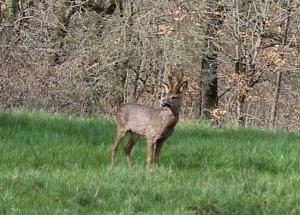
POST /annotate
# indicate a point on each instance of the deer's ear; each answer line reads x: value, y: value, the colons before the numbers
x: 166, y: 86
x: 182, y: 86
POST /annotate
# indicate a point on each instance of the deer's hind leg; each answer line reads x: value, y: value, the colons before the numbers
x: 134, y: 137
x: 159, y: 145
x: 120, y: 134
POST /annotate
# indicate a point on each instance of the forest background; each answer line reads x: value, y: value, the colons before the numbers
x: 241, y: 58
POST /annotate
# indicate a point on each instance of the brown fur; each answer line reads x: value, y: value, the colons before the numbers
x: 155, y: 124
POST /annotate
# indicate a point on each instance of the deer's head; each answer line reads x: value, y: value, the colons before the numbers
x: 173, y: 92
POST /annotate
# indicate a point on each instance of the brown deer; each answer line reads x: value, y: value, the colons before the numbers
x: 155, y: 124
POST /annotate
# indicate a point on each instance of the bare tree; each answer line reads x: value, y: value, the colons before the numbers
x: 279, y: 72
x: 85, y: 57
x: 65, y: 10
x: 210, y: 61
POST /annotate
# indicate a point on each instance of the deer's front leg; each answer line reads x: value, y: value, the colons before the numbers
x: 151, y: 153
x: 158, y: 147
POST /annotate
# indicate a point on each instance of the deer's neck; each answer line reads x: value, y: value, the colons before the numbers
x: 175, y: 111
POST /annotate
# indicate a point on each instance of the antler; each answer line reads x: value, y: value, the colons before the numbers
x: 170, y: 85
x: 180, y: 81
x: 170, y: 78
x: 179, y: 77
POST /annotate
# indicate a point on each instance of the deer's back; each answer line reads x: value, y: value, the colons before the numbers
x: 147, y: 121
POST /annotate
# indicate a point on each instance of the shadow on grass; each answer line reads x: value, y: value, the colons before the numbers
x: 198, y: 147
x: 92, y: 129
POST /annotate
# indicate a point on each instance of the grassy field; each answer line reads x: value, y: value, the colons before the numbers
x: 54, y: 164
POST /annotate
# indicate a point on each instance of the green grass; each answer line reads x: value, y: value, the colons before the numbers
x: 55, y: 164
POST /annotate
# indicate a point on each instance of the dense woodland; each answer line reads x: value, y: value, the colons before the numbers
x: 241, y: 58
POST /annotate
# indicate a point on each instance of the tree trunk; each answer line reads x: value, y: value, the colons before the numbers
x: 279, y: 74
x: 64, y: 14
x: 209, y: 76
x: 276, y: 97
x: 11, y: 9
x: 209, y: 85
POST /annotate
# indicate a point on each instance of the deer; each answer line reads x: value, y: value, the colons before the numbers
x: 154, y: 124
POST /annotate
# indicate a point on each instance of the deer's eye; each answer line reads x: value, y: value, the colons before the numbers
x: 174, y: 97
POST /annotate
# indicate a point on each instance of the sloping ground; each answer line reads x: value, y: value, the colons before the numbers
x: 56, y: 164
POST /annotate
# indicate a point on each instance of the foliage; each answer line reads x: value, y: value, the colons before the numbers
x: 87, y: 57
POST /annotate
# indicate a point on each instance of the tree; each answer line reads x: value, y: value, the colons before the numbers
x: 85, y: 57
x: 289, y: 5
x: 65, y: 10
x: 210, y: 61
x: 12, y: 6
